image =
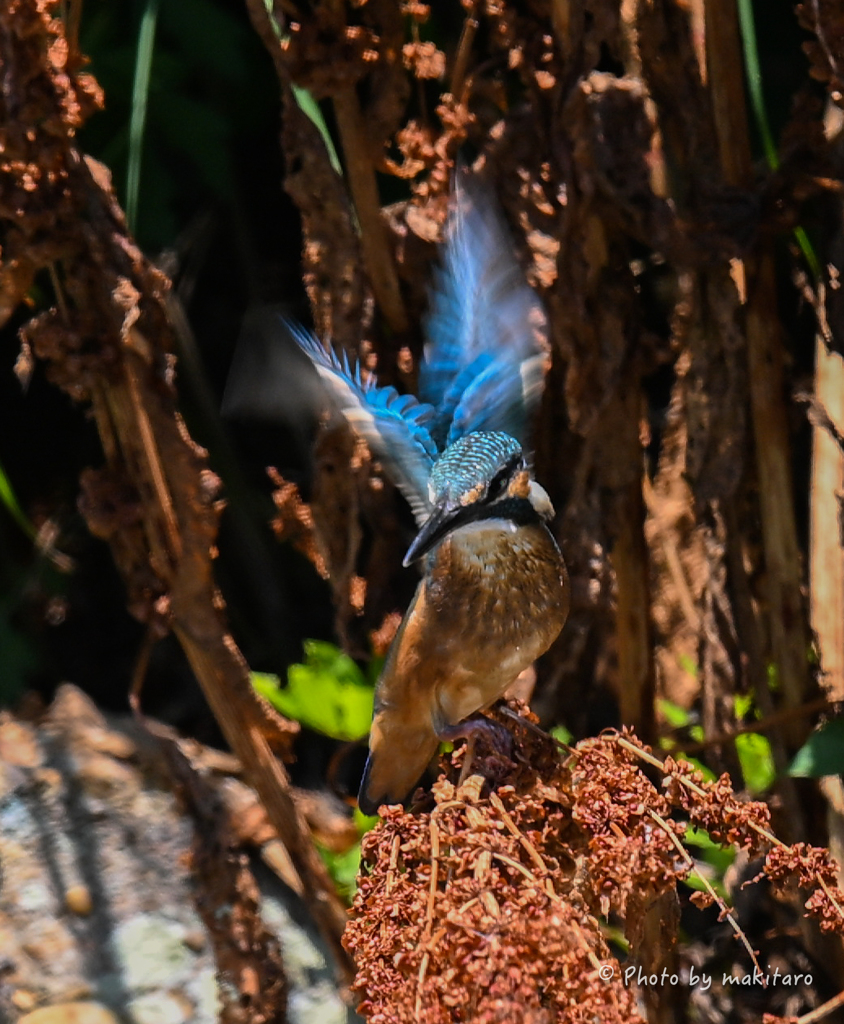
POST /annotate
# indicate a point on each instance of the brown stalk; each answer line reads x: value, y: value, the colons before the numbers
x: 686, y: 857
x: 760, y: 830
x: 630, y: 560
x: 786, y: 616
x: 826, y: 557
x: 464, y: 51
x: 153, y: 446
x: 635, y: 640
x: 824, y: 1010
x: 725, y: 64
x: 789, y: 639
x: 764, y: 725
x: 380, y: 266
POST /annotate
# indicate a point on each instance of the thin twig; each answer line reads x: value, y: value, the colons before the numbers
x: 722, y: 906
x: 435, y: 864
x: 512, y: 828
x: 823, y: 1010
x: 693, y: 786
x: 139, y: 673
x: 464, y: 50
x: 820, y: 418
x: 763, y: 725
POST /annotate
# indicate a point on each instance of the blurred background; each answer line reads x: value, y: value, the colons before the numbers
x: 193, y: 135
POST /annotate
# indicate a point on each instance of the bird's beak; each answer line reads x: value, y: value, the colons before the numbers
x: 438, y: 525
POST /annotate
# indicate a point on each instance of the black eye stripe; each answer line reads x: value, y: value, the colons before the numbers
x: 499, y: 481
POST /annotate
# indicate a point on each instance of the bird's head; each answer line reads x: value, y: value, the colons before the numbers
x: 483, y: 475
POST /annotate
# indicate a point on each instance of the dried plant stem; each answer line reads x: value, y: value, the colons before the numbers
x: 688, y: 784
x: 171, y: 542
x: 464, y: 50
x: 786, y: 619
x: 180, y: 553
x: 213, y: 658
x: 698, y: 791
x: 633, y: 616
x: 435, y: 864
x: 380, y: 265
x: 763, y: 725
x: 726, y: 84
x: 722, y: 906
x: 824, y: 1010
x: 527, y: 846
x: 789, y: 639
x: 826, y: 565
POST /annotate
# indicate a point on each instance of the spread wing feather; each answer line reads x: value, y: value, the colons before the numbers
x: 393, y: 425
x: 484, y: 365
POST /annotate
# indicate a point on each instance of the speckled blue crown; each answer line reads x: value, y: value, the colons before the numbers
x: 470, y: 463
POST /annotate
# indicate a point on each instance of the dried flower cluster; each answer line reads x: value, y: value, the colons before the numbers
x: 814, y: 869
x: 294, y: 521
x: 473, y: 912
x: 632, y: 852
x: 486, y: 906
x: 714, y: 807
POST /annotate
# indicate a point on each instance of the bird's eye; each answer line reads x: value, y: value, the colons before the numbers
x: 498, y: 483
x: 502, y: 478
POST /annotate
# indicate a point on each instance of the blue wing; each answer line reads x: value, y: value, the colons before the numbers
x: 393, y: 425
x: 484, y: 365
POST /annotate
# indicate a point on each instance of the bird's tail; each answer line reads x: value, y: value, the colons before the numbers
x: 398, y: 755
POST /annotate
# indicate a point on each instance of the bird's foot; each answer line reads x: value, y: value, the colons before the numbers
x: 476, y: 727
x: 479, y: 730
x: 533, y: 746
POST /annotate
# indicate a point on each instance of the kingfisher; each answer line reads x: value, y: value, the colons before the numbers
x: 494, y: 592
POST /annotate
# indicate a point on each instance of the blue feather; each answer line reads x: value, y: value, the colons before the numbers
x: 483, y: 367
x: 393, y: 425
x: 481, y: 326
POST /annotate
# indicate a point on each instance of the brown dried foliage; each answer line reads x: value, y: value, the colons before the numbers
x: 627, y: 192
x: 486, y: 906
x: 108, y: 341
x: 825, y: 20
x: 482, y: 909
x: 713, y: 806
x: 592, y: 169
x: 294, y: 521
x: 814, y: 869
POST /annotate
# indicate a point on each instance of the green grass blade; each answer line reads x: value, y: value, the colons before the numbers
x: 754, y: 81
x: 306, y: 103
x: 137, y: 123
x: 309, y: 106
x: 8, y: 498
x: 753, y: 73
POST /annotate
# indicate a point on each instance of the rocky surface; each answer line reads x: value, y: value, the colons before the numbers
x: 97, y: 916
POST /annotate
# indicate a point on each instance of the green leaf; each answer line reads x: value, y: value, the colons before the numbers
x: 754, y: 81
x: 676, y: 716
x: 343, y: 868
x: 743, y: 705
x: 717, y: 856
x: 757, y: 761
x: 822, y: 754
x: 328, y: 693
x: 364, y: 822
x: 561, y: 734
